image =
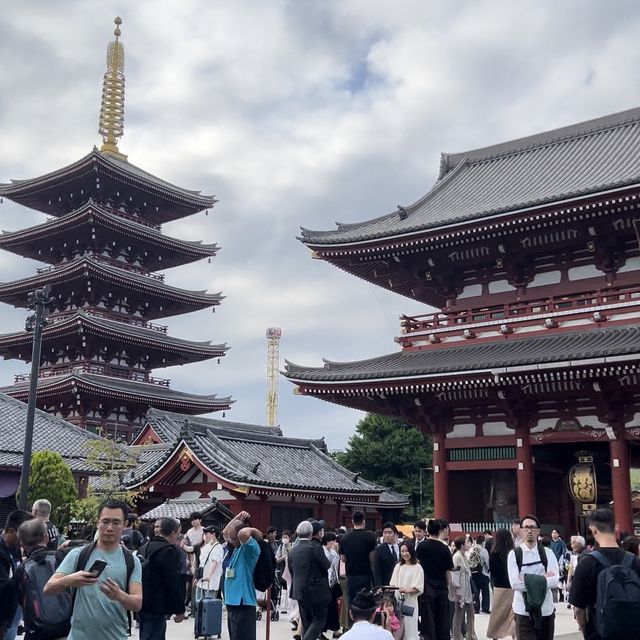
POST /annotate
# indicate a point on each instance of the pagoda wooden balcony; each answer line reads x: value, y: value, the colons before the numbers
x: 98, y: 369
x: 109, y: 315
x: 128, y: 216
x: 548, y: 312
x: 125, y: 266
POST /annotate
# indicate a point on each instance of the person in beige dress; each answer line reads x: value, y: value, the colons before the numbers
x: 501, y: 621
x: 408, y: 577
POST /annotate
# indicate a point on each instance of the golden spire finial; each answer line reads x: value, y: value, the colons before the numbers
x: 111, y: 125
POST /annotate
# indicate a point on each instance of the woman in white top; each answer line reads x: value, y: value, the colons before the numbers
x: 460, y: 592
x: 211, y: 556
x: 408, y: 576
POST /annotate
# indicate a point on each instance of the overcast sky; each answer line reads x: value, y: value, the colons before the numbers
x: 294, y: 114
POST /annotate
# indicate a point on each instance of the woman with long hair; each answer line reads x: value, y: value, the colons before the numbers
x: 501, y: 620
x: 408, y: 577
x: 460, y: 592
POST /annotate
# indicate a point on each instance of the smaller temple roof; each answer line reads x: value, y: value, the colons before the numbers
x: 182, y: 509
x: 169, y: 300
x: 483, y: 357
x: 566, y: 163
x: 157, y: 344
x: 40, y: 241
x: 128, y: 390
x: 50, y: 434
x: 99, y: 175
x: 246, y: 455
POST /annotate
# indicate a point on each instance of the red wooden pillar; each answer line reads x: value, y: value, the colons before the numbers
x: 621, y: 482
x: 440, y: 477
x: 320, y: 509
x: 338, y: 518
x: 265, y: 514
x: 524, y: 473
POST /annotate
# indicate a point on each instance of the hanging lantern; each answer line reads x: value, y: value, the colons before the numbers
x: 582, y: 481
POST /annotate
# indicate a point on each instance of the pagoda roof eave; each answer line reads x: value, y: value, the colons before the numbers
x: 126, y: 390
x: 123, y: 333
x: 25, y: 241
x: 34, y: 192
x: 552, y: 167
x: 487, y: 360
x: 16, y: 292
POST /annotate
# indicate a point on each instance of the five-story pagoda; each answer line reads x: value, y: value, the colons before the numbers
x: 104, y: 247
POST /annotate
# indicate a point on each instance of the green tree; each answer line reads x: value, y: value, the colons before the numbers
x: 51, y: 478
x: 109, y: 461
x: 391, y: 452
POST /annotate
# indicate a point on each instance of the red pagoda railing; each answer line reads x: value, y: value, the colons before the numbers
x: 109, y: 315
x: 547, y: 306
x: 125, y: 266
x: 99, y: 369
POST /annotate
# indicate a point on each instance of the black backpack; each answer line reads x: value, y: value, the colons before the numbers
x: 46, y: 617
x: 541, y: 552
x: 265, y: 568
x: 617, y: 609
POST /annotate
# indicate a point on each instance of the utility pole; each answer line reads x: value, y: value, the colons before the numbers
x: 38, y: 300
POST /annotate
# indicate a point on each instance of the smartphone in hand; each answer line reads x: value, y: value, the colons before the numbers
x: 98, y: 567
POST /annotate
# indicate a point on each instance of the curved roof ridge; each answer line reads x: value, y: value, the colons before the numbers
x: 118, y: 272
x: 544, y: 138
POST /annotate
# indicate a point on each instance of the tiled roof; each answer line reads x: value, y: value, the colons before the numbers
x: 163, y: 251
x: 559, y: 347
x: 251, y: 455
x: 573, y: 161
x: 130, y: 390
x: 182, y: 509
x: 392, y: 499
x: 103, y: 169
x: 173, y: 350
x: 16, y: 292
x: 50, y: 433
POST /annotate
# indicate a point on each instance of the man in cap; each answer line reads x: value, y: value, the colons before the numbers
x: 308, y: 566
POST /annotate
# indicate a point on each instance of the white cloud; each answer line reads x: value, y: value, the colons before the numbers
x: 296, y: 113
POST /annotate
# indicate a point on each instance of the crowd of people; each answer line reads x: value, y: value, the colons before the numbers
x: 351, y: 583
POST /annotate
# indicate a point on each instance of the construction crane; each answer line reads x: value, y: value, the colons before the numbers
x: 273, y: 360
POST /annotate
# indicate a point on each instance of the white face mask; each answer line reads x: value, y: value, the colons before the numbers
x: 285, y: 540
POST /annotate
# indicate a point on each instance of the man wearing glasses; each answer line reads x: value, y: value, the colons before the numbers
x: 106, y: 590
x: 533, y: 572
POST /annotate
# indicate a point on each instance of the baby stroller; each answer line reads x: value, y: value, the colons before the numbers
x: 270, y: 597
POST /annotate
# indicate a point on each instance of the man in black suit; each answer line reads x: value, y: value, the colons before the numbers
x: 386, y: 555
x: 308, y: 566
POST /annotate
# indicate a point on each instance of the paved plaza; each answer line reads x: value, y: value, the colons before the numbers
x: 566, y: 628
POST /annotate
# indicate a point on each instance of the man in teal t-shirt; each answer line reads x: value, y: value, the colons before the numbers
x: 239, y: 591
x: 101, y: 604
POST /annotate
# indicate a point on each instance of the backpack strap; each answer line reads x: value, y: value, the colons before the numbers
x: 517, y: 552
x: 83, y: 556
x: 627, y: 560
x: 603, y: 560
x: 542, y: 552
x: 130, y: 563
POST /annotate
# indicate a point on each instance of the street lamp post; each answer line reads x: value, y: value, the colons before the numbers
x: 38, y: 300
x: 420, y: 474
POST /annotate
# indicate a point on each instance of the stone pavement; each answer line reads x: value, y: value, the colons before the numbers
x: 566, y: 628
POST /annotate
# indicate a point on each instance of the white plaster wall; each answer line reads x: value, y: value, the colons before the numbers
x: 584, y: 271
x: 463, y: 431
x: 496, y: 429
x: 221, y: 494
x: 632, y: 264
x: 470, y: 291
x: 548, y: 277
x: 500, y: 286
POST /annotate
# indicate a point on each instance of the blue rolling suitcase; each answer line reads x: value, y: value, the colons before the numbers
x: 208, y: 620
